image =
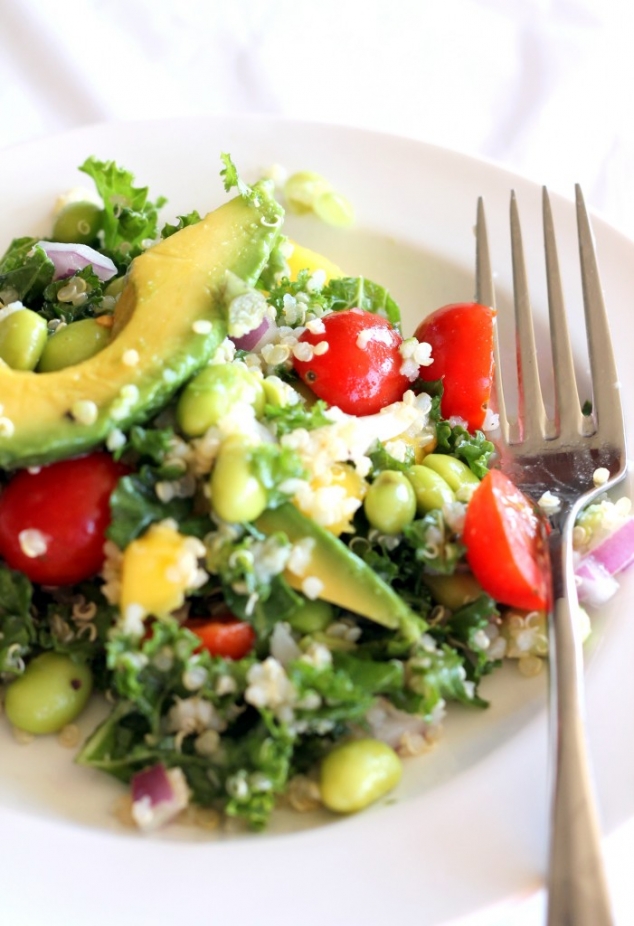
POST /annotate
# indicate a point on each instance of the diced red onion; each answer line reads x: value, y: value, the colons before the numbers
x: 158, y: 795
x: 252, y: 340
x: 595, y: 572
x: 394, y: 726
x: 595, y: 585
x: 69, y: 258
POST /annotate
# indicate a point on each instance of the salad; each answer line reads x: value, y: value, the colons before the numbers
x: 241, y: 505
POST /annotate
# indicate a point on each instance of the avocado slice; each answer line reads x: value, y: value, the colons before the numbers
x: 347, y: 580
x: 155, y: 346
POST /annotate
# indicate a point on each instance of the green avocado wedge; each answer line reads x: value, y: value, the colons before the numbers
x: 347, y: 580
x: 156, y: 344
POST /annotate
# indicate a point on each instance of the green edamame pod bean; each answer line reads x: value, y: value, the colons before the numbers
x: 236, y: 493
x: 212, y: 394
x: 334, y: 209
x: 73, y: 344
x: 52, y: 691
x: 23, y: 336
x: 303, y: 188
x: 390, y: 502
x: 311, y: 616
x: 78, y: 223
x: 456, y: 474
x: 453, y: 591
x: 358, y: 773
x: 115, y: 286
x: 430, y: 489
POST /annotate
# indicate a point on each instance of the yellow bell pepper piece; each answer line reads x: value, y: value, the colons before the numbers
x: 304, y: 259
x: 158, y: 568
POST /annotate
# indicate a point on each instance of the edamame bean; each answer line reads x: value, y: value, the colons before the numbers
x: 453, y: 591
x: 23, y: 335
x: 72, y: 344
x: 430, y: 489
x: 52, y: 691
x: 358, y: 773
x: 78, y: 223
x: 390, y: 502
x: 212, y: 394
x: 302, y: 189
x: 456, y: 474
x: 334, y: 209
x: 236, y: 493
x: 115, y: 286
x: 311, y: 616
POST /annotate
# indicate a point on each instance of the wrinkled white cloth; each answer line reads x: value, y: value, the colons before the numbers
x: 543, y: 87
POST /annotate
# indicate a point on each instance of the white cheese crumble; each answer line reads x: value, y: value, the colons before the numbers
x: 275, y: 354
x: 269, y: 685
x: 7, y: 427
x: 415, y: 354
x: 304, y: 351
x: 225, y: 352
x: 130, y: 358
x: 115, y: 440
x: 300, y: 556
x: 320, y: 349
x: 600, y: 476
x: 202, y: 326
x: 316, y: 281
x: 549, y: 503
x: 312, y: 587
x: 85, y: 411
x: 316, y: 326
x: 381, y: 335
x: 33, y: 543
x: 194, y: 715
x: 491, y: 421
x: 132, y: 620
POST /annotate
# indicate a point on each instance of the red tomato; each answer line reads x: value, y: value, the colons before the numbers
x: 223, y: 636
x: 360, y: 370
x: 461, y: 338
x: 505, y: 544
x: 66, y: 502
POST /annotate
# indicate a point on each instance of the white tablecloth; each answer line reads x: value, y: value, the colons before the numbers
x: 541, y: 86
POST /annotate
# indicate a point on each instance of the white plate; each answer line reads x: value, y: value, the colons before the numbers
x: 466, y: 832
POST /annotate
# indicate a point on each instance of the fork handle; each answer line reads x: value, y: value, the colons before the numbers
x: 577, y: 888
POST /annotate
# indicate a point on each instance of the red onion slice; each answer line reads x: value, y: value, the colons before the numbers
x: 256, y: 338
x: 69, y: 258
x: 595, y: 572
x: 158, y: 795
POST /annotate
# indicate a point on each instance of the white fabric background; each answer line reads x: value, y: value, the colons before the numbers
x: 545, y: 88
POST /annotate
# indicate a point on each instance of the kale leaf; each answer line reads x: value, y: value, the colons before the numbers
x: 130, y: 218
x: 474, y: 449
x: 25, y: 271
x: 359, y: 292
x: 17, y: 628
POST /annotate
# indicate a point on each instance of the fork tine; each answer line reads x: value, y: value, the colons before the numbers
x: 531, y: 413
x: 568, y: 417
x: 485, y: 295
x: 606, y: 390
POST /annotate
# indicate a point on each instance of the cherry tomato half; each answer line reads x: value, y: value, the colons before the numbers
x: 504, y: 537
x: 223, y: 636
x: 67, y: 503
x: 461, y: 338
x: 359, y: 370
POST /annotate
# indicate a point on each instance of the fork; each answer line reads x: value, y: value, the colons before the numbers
x: 562, y: 454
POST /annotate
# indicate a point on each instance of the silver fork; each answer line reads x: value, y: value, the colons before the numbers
x: 562, y: 454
